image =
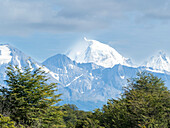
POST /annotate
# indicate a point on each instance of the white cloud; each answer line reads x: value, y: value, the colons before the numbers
x: 30, y: 16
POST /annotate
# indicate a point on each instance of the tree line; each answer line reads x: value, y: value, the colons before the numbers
x: 29, y: 102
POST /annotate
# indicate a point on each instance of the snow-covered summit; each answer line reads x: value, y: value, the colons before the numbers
x: 96, y: 52
x: 15, y: 57
x: 159, y: 62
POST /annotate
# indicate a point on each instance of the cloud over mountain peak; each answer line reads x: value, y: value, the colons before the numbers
x: 92, y: 51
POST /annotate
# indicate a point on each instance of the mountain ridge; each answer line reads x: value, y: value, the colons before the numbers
x: 87, y: 84
x: 15, y: 57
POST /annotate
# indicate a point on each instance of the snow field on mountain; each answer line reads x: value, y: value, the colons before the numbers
x: 5, y: 56
x: 159, y: 62
x: 92, y: 51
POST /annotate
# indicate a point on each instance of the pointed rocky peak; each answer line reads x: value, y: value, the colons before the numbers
x: 58, y: 60
x: 92, y: 51
x: 159, y: 62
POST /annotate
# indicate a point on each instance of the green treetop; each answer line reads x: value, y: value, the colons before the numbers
x: 144, y: 103
x: 29, y: 100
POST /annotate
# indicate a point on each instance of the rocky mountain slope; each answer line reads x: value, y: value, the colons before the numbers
x: 91, y: 76
x: 88, y: 85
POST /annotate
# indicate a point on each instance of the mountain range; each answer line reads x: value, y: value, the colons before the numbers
x: 89, y: 74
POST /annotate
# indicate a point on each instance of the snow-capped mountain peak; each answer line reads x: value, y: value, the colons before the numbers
x: 92, y: 51
x: 159, y: 62
x: 15, y: 57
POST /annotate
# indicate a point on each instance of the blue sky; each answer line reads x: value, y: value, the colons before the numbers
x: 42, y: 28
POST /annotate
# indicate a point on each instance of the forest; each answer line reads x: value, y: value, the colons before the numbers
x: 28, y: 101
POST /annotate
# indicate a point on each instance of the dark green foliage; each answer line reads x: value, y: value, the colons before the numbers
x: 5, y: 122
x: 144, y: 103
x: 75, y: 118
x: 29, y: 100
x: 88, y: 123
x: 70, y: 114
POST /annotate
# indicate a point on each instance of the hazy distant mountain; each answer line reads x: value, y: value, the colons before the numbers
x: 160, y: 62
